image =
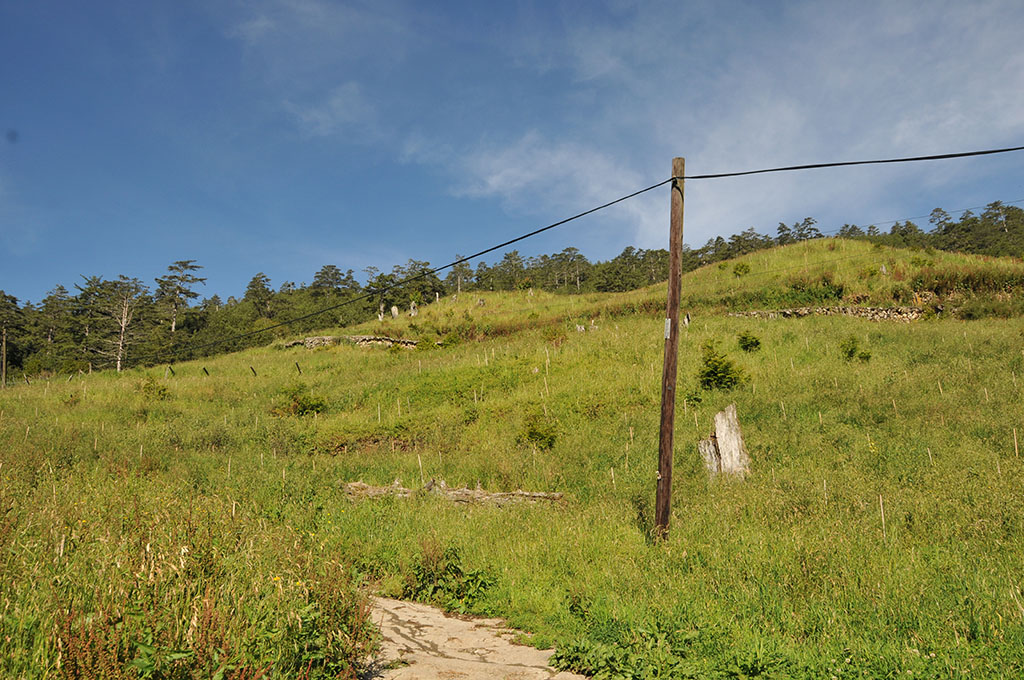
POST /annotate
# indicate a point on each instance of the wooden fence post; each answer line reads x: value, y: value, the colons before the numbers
x: 663, y: 497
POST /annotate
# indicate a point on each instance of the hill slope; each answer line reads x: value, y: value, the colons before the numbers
x: 193, y: 522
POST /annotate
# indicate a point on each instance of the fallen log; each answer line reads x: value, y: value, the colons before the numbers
x: 459, y: 495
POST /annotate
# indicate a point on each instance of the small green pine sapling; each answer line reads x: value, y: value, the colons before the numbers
x: 717, y: 371
x: 749, y: 342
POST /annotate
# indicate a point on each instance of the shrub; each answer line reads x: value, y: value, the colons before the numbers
x: 299, y: 401
x: 740, y: 269
x: 538, y: 431
x: 717, y: 372
x: 850, y: 349
x: 151, y: 389
x: 438, y: 577
x: 555, y: 335
x: 749, y: 342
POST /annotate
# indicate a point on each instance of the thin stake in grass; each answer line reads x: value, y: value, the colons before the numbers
x: 881, y: 506
x: 783, y: 405
x: 1016, y: 451
x: 986, y: 393
x: 423, y: 481
x: 940, y: 388
x: 930, y: 461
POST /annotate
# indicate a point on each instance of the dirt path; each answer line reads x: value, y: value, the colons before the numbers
x: 429, y: 645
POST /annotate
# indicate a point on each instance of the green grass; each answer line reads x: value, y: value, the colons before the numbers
x: 179, y: 525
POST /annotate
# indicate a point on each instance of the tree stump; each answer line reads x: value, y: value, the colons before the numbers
x: 724, y: 451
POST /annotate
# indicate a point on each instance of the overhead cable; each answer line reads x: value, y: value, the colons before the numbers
x: 383, y: 289
x: 839, y: 164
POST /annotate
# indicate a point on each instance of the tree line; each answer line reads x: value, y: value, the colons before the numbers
x: 114, y: 323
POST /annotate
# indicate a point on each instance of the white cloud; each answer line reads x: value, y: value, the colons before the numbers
x: 542, y: 176
x: 344, y: 110
x: 821, y: 82
x: 252, y: 30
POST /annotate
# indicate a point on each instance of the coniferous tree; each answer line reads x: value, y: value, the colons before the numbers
x: 174, y: 290
x: 10, y: 319
x: 259, y: 294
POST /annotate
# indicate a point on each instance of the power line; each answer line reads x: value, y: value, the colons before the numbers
x: 838, y: 164
x: 380, y: 291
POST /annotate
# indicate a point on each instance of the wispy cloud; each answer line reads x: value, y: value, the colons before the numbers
x: 539, y: 175
x: 344, y: 110
x: 813, y: 84
x: 253, y: 29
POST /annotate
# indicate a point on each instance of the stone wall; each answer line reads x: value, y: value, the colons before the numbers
x: 902, y: 314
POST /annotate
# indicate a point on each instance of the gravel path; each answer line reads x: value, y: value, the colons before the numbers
x: 424, y: 643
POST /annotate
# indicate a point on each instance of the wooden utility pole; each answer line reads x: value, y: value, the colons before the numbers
x: 663, y: 499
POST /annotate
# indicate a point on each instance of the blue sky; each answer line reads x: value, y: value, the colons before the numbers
x: 277, y: 136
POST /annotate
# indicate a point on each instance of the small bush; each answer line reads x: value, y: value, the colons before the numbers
x: 438, y: 578
x: 740, y: 269
x: 555, y: 335
x: 450, y: 339
x: 538, y: 431
x: 749, y: 342
x: 717, y: 372
x: 151, y: 389
x: 299, y: 401
x: 850, y: 349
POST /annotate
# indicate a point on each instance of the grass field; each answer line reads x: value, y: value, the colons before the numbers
x: 159, y: 526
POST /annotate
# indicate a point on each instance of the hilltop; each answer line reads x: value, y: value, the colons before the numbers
x: 182, y: 524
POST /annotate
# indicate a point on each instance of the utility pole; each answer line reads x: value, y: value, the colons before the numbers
x: 3, y: 361
x: 663, y: 498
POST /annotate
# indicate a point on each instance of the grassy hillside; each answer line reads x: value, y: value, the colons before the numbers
x: 177, y: 526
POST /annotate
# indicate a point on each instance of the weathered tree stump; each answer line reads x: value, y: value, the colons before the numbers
x: 724, y: 451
